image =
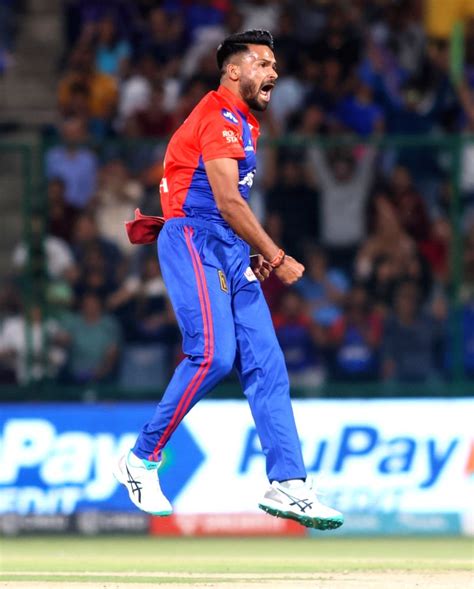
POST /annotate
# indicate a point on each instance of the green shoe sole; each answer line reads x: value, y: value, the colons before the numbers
x: 160, y: 513
x: 309, y: 522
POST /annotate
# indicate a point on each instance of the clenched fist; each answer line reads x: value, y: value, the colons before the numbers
x: 289, y: 271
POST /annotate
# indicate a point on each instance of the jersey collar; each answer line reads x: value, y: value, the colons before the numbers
x: 234, y: 100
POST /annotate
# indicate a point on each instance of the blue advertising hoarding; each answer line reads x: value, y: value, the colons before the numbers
x: 392, y: 465
x: 57, y: 459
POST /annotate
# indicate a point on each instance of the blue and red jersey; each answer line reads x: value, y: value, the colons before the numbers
x: 220, y: 126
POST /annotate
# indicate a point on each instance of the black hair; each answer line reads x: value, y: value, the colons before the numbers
x: 239, y: 42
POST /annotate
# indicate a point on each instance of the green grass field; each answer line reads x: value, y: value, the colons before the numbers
x: 199, y: 562
x: 283, y: 562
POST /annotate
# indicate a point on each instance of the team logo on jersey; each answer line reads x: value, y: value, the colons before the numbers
x: 228, y: 115
x: 222, y: 281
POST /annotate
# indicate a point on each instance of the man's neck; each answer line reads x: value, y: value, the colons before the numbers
x: 231, y: 92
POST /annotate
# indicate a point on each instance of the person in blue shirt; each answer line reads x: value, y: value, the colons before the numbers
x: 356, y: 338
x: 112, y: 52
x: 74, y: 164
x: 360, y: 113
x: 323, y: 288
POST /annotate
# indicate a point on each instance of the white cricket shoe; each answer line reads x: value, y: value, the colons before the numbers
x: 140, y: 477
x: 301, y: 504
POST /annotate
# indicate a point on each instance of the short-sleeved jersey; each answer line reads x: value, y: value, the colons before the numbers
x: 220, y: 126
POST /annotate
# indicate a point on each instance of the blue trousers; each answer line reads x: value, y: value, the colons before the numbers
x: 225, y: 323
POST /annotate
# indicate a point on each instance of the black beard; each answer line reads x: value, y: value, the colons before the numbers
x: 250, y: 96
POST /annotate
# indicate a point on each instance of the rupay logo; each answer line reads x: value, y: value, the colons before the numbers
x: 362, y: 443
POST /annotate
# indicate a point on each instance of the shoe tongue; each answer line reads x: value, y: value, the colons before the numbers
x: 293, y: 484
x: 149, y: 465
x: 142, y: 462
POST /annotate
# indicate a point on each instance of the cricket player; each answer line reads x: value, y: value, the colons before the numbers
x: 213, y: 283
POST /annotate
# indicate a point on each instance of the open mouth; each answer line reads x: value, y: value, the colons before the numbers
x: 266, y: 91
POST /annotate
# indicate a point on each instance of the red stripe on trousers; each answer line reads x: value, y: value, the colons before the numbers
x: 208, y: 328
x: 203, y: 369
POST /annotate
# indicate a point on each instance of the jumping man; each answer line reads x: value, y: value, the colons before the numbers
x: 213, y: 283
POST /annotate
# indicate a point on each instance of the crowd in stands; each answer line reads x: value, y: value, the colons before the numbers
x: 371, y: 222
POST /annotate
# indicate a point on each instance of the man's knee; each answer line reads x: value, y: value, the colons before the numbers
x: 223, y: 361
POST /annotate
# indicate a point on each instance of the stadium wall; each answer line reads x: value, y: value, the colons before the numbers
x: 392, y: 466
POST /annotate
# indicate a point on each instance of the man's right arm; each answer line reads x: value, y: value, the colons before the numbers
x: 223, y: 175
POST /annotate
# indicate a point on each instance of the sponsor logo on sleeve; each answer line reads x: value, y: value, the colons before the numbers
x: 230, y: 136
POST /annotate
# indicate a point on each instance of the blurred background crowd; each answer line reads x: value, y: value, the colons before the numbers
x: 371, y: 221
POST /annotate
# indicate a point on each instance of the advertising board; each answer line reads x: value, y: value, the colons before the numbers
x: 377, y: 461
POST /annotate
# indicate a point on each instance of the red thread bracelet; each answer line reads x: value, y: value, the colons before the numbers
x: 278, y: 259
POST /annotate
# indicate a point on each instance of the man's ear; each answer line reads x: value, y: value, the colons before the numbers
x: 233, y: 71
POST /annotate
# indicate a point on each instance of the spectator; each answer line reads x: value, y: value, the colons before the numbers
x: 102, y: 90
x: 81, y: 18
x: 78, y: 105
x: 272, y: 287
x: 300, y: 341
x: 330, y: 85
x: 323, y: 289
x: 143, y: 306
x: 74, y: 164
x: 412, y: 338
x: 344, y: 186
x: 94, y: 274
x: 387, y: 240
x: 206, y: 38
x: 45, y: 254
x: 309, y: 122
x: 436, y: 250
x: 94, y: 340
x: 61, y: 215
x: 96, y: 253
x: 163, y: 39
x: 403, y: 35
x: 408, y: 115
x: 356, y: 338
x: 135, y: 91
x: 112, y: 52
x: 288, y: 43
x: 261, y: 14
x: 359, y: 112
x: 191, y: 94
x: 339, y: 41
x: 296, y: 203
x: 289, y: 93
x: 31, y: 343
x: 153, y: 120
x: 9, y: 307
x: 409, y: 204
x: 117, y: 197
